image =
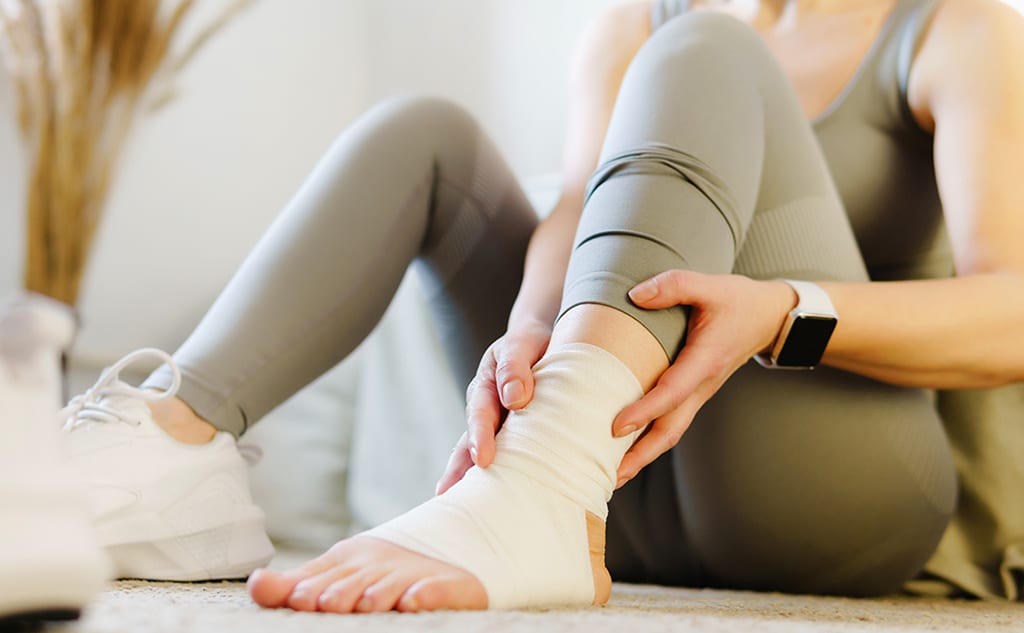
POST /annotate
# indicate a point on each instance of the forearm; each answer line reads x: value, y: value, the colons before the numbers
x: 547, y: 259
x: 958, y: 333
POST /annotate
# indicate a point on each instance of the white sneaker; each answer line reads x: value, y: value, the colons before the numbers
x: 164, y: 510
x: 50, y: 563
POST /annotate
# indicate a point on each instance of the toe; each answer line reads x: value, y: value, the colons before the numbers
x: 270, y: 589
x: 342, y: 595
x: 306, y: 594
x: 383, y: 595
x: 444, y: 592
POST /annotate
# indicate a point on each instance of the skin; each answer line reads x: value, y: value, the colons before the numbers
x: 970, y: 97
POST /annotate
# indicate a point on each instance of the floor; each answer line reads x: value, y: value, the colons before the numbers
x: 214, y: 607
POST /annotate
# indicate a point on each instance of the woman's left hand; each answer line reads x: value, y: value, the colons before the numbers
x: 732, y: 318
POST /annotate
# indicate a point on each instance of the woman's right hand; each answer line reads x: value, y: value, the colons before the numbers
x: 503, y: 382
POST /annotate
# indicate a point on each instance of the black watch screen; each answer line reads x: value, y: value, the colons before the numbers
x: 805, y: 344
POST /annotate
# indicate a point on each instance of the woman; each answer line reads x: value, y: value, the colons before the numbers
x: 710, y: 186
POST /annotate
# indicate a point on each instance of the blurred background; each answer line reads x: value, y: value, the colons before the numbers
x: 201, y: 178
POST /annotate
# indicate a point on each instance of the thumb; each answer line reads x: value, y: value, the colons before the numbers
x: 673, y: 287
x: 521, y: 355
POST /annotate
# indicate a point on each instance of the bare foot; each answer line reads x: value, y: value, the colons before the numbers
x: 364, y: 574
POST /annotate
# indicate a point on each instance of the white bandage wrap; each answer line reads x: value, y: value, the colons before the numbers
x: 519, y: 525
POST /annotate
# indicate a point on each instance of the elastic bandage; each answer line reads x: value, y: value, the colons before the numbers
x: 519, y: 525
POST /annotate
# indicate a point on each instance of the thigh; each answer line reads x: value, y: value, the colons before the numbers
x: 811, y: 482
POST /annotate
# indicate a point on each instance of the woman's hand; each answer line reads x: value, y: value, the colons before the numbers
x: 503, y: 382
x: 732, y: 318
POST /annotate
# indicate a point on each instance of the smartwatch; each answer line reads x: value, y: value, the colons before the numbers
x: 805, y: 334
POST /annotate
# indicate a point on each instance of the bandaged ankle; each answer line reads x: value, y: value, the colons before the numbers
x: 519, y: 525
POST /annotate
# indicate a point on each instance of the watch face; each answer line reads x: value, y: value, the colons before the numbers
x: 806, y: 341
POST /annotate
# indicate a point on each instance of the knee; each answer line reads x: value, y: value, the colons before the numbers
x: 708, y: 37
x: 414, y: 115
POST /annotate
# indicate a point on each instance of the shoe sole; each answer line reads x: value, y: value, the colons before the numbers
x: 210, y: 533
x: 229, y: 551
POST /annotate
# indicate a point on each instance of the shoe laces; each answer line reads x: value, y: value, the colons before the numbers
x: 88, y: 407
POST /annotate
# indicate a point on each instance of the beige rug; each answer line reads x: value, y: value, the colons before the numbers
x: 215, y: 607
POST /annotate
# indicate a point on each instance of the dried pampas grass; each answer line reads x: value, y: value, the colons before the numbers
x: 82, y: 71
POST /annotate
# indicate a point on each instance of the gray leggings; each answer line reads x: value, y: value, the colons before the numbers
x: 822, y: 482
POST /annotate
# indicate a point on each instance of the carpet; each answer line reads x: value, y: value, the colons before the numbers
x: 136, y: 606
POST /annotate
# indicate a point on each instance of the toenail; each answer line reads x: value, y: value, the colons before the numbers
x: 325, y: 599
x: 410, y: 604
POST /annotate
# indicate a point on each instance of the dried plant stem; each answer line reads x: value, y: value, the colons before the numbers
x: 81, y: 70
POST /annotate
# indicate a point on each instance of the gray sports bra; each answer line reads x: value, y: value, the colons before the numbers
x: 879, y: 157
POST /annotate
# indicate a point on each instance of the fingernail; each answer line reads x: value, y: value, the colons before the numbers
x: 472, y: 453
x: 364, y: 604
x: 621, y: 482
x: 626, y: 430
x: 644, y: 291
x: 512, y: 392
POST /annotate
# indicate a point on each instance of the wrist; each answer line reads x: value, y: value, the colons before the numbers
x: 529, y: 318
x: 783, y: 300
x: 528, y: 322
x: 806, y: 330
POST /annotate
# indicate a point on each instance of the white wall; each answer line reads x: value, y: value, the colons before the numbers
x: 201, y: 178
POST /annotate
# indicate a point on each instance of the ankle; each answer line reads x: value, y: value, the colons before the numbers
x: 179, y: 421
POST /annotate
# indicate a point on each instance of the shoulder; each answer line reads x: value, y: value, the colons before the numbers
x: 959, y: 26
x: 970, y: 47
x: 627, y: 12
x: 613, y: 36
x: 620, y: 20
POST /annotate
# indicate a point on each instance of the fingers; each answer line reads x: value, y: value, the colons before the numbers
x: 458, y: 463
x: 483, y: 417
x: 692, y: 368
x: 662, y: 435
x: 671, y: 404
x: 504, y: 381
x: 514, y: 360
x: 483, y: 411
x: 672, y: 287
